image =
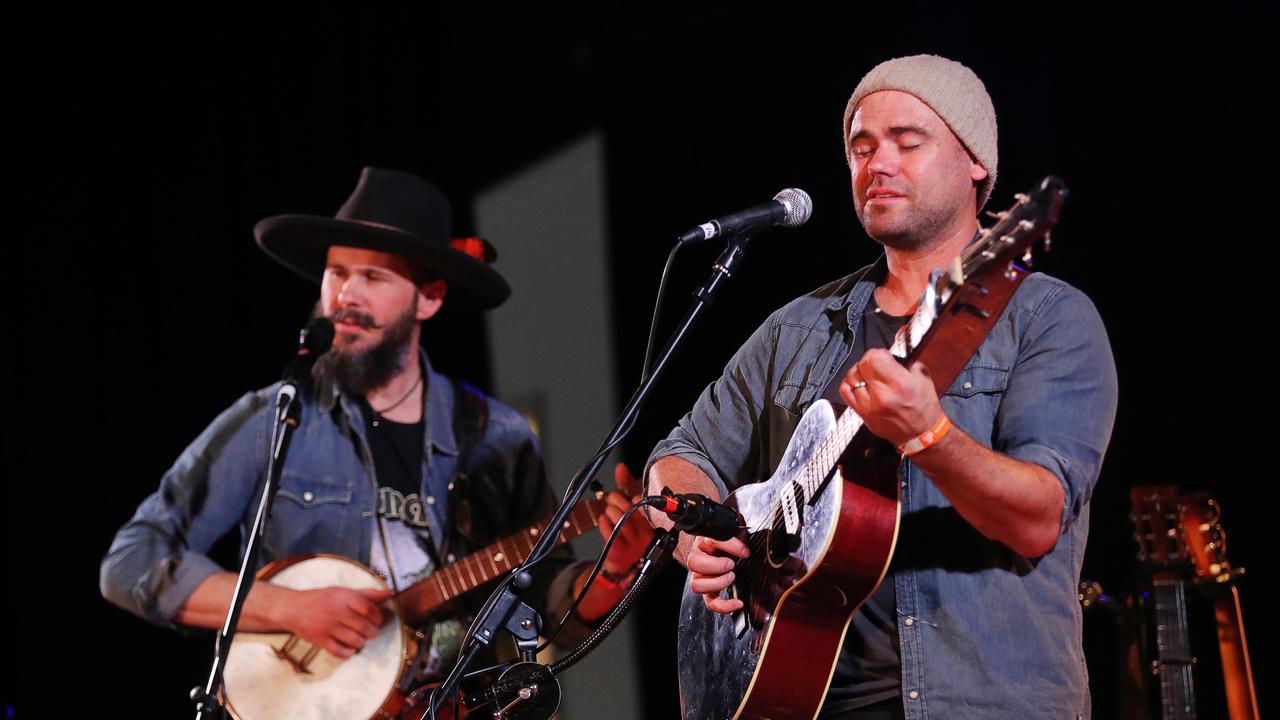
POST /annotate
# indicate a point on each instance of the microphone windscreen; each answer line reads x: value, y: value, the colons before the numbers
x: 799, y: 206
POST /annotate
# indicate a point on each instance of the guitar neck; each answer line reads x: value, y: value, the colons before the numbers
x: 1173, y: 649
x: 1237, y: 673
x: 419, y: 600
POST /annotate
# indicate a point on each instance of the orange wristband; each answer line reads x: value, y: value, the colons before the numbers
x: 926, y: 438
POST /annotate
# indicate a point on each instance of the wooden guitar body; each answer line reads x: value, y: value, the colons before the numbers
x: 799, y: 592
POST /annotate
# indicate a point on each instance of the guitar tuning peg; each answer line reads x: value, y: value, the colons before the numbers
x: 1026, y: 258
x: 997, y: 215
x: 1022, y: 198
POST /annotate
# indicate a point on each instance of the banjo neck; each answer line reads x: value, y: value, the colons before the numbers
x: 418, y: 601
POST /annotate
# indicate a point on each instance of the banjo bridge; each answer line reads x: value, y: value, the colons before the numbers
x: 300, y: 665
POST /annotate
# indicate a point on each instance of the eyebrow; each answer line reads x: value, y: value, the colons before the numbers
x: 366, y: 269
x: 894, y: 131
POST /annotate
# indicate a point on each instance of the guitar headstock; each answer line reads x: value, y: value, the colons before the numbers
x: 1156, y: 520
x: 1206, y: 541
x: 1182, y: 531
x: 1016, y: 230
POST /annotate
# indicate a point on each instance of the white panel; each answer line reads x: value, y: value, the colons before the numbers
x: 553, y: 355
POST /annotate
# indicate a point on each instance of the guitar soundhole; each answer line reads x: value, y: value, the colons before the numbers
x: 781, y: 544
x: 764, y: 577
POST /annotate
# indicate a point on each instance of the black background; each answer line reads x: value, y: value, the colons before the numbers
x: 147, y: 146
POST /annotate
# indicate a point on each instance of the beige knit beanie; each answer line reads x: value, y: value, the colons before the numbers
x: 953, y: 91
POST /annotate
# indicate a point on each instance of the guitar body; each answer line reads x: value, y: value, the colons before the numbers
x: 774, y: 658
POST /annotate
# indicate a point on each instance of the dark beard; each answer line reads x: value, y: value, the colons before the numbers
x: 359, y: 373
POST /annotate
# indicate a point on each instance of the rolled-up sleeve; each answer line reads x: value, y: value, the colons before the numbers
x: 158, y: 557
x: 1060, y: 402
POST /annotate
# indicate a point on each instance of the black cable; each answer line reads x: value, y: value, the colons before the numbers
x: 594, y: 572
x: 657, y: 307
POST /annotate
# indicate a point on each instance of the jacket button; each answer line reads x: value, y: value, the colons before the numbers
x: 308, y: 496
x: 431, y: 500
x: 968, y: 386
x: 913, y: 694
x: 909, y: 622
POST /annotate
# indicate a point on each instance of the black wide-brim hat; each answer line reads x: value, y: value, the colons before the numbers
x: 394, y: 212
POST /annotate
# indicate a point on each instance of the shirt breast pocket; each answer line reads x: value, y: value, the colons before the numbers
x: 308, y: 490
x: 311, y: 513
x: 974, y: 398
x: 793, y: 397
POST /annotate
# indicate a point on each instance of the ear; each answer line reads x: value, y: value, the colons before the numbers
x: 430, y: 299
x: 977, y: 172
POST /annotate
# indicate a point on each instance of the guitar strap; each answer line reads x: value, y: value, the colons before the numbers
x: 470, y: 416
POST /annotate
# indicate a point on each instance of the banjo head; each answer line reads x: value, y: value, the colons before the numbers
x: 260, y: 683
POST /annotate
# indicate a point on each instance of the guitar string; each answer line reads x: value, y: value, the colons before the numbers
x: 823, y: 457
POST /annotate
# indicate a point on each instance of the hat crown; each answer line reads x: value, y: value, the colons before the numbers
x: 399, y: 200
x: 953, y: 91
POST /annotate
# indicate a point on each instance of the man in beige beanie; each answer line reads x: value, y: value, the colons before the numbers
x: 977, y: 615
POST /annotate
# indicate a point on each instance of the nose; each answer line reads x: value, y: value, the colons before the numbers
x: 350, y: 292
x: 883, y: 160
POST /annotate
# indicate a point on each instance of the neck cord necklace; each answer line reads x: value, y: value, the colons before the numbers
x: 399, y: 402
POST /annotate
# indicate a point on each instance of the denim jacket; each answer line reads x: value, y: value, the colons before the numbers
x: 327, y: 498
x: 984, y: 632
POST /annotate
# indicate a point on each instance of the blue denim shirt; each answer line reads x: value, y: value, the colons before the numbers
x: 984, y: 632
x: 327, y: 498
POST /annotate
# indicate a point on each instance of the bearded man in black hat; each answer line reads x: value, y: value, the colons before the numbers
x: 393, y: 465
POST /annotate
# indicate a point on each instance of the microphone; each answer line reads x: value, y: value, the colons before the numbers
x: 314, y: 340
x: 697, y: 514
x: 789, y: 208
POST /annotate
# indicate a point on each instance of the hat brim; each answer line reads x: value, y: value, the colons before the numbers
x: 301, y: 243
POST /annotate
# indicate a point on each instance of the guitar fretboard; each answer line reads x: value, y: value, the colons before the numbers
x: 1173, y: 649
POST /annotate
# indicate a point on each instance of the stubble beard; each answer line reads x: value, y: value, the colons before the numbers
x: 912, y: 228
x: 360, y: 372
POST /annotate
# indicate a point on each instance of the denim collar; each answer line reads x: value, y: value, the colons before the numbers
x: 862, y: 283
x: 438, y: 409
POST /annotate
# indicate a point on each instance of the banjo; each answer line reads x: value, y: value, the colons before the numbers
x: 275, y: 675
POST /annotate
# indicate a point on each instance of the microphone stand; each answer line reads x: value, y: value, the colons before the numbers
x: 497, y: 610
x: 209, y: 699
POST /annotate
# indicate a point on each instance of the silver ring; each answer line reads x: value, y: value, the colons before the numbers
x: 858, y: 385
